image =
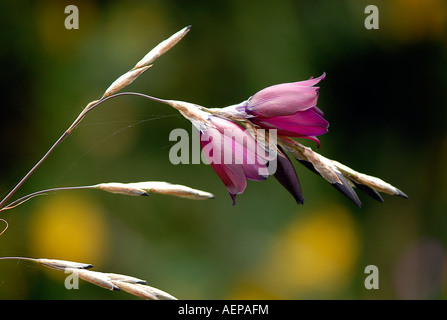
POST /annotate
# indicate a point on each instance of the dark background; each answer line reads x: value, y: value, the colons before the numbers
x: 384, y: 96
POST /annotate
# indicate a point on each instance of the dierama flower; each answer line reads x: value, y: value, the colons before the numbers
x: 291, y: 108
x: 233, y: 154
x: 239, y: 154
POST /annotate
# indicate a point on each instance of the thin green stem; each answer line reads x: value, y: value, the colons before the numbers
x: 33, y: 169
x: 67, y: 132
x: 40, y: 192
x: 18, y: 258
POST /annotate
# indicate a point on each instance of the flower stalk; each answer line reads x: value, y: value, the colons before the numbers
x: 130, y: 189
x: 109, y: 281
x: 122, y: 81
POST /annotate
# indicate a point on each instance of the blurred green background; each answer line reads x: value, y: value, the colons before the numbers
x: 384, y: 95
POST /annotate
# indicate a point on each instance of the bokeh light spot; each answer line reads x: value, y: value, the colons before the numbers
x: 68, y: 227
x: 315, y: 253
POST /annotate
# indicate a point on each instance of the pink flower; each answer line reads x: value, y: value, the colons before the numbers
x: 291, y: 108
x: 233, y: 154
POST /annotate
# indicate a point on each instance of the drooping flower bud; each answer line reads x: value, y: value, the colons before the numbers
x: 290, y: 108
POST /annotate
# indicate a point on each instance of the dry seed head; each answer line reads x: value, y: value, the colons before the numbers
x: 143, y: 291
x: 122, y: 188
x: 162, y: 48
x: 63, y: 264
x: 123, y: 278
x: 143, y: 188
x: 110, y: 281
x: 195, y: 113
x: 124, y: 80
x: 135, y: 290
x: 97, y: 278
x: 173, y: 189
x: 323, y: 165
x: 367, y: 180
x: 330, y: 169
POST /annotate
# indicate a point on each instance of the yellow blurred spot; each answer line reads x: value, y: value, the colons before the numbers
x: 247, y: 289
x: 312, y: 256
x: 50, y: 22
x: 411, y: 20
x: 68, y: 227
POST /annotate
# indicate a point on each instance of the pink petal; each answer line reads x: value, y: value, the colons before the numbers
x: 232, y: 175
x: 233, y: 155
x: 312, y: 81
x: 243, y: 147
x: 249, y: 160
x: 305, y: 123
x: 284, y: 99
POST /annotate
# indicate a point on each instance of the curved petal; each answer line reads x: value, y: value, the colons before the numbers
x: 312, y: 81
x: 286, y: 175
x: 284, y: 99
x: 232, y: 175
x: 232, y: 153
x: 250, y: 161
x: 233, y: 178
x: 304, y: 123
x: 239, y: 147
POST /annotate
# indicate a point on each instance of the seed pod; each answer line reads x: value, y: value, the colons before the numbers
x: 63, y: 264
x: 162, y: 48
x: 124, y: 80
x: 122, y: 188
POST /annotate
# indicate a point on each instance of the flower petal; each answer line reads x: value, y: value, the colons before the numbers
x: 312, y: 81
x: 284, y: 99
x: 240, y: 148
x: 232, y: 175
x: 300, y: 124
x: 250, y: 161
x: 233, y: 154
x: 286, y: 175
x: 233, y: 178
